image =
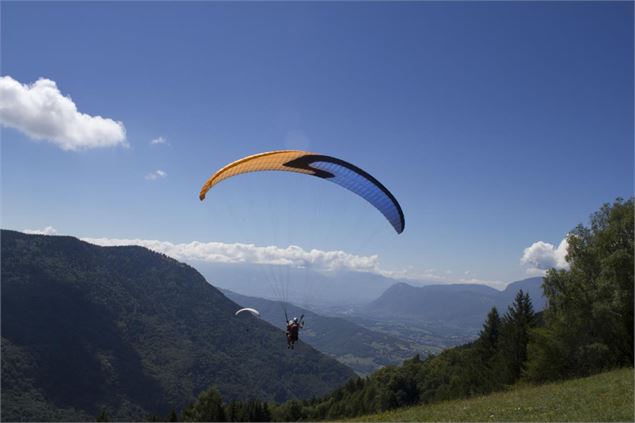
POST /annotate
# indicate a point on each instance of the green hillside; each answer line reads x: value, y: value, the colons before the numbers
x: 132, y: 332
x: 603, y: 397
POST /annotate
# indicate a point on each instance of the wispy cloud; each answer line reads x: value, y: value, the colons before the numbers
x: 157, y: 174
x: 440, y: 276
x: 158, y: 141
x: 476, y: 281
x: 218, y: 252
x: 49, y: 230
x: 541, y: 256
x: 42, y: 112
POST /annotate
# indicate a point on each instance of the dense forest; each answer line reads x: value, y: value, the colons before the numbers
x: 586, y: 328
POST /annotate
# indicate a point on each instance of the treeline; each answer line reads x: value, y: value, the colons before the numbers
x: 494, y: 360
x: 586, y: 328
x: 590, y: 310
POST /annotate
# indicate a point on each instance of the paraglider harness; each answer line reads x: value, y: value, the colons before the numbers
x: 293, y: 329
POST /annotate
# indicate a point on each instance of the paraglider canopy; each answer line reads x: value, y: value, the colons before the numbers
x: 329, y: 168
x: 251, y: 310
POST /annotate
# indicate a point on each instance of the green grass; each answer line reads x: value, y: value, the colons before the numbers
x: 603, y: 397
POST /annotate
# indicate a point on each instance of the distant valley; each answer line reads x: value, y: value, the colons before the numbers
x: 438, y: 315
x: 434, y: 316
x: 361, y: 349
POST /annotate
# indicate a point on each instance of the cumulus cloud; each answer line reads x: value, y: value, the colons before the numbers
x: 218, y: 252
x: 158, y: 141
x: 541, y: 256
x: 295, y: 256
x: 42, y: 112
x: 157, y: 174
x: 49, y: 230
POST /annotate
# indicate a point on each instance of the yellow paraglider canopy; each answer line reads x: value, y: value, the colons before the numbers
x: 330, y: 168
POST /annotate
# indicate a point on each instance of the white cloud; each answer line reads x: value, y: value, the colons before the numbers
x: 218, y: 252
x: 541, y: 256
x: 158, y: 141
x: 157, y: 174
x: 475, y: 281
x: 42, y: 112
x: 534, y: 271
x: 49, y: 230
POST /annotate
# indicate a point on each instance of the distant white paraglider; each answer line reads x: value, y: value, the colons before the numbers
x: 251, y: 310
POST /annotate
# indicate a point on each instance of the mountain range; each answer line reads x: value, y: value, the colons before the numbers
x: 463, y: 305
x: 303, y: 286
x: 404, y: 320
x: 133, y: 332
x: 367, y: 293
x: 438, y: 315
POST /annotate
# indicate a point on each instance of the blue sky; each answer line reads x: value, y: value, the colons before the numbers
x: 495, y: 124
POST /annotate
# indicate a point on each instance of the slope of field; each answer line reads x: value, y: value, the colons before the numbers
x: 603, y: 397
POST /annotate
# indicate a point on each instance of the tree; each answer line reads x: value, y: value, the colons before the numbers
x: 208, y: 407
x: 589, y: 318
x: 234, y: 412
x: 480, y: 370
x: 487, y: 343
x: 516, y: 325
x: 103, y: 416
x: 266, y: 414
x: 292, y: 411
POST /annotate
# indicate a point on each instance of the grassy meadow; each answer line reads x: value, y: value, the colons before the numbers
x: 602, y: 397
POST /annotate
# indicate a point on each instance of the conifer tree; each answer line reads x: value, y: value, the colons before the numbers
x: 488, y: 337
x: 516, y: 325
x: 103, y: 416
x: 208, y: 407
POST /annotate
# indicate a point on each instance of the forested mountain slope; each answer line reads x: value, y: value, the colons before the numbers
x: 86, y: 328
